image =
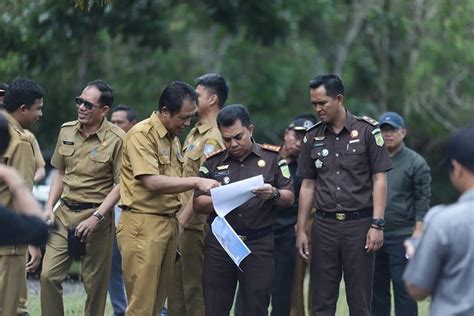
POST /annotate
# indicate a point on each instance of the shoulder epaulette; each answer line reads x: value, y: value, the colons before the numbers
x: 214, y: 153
x: 319, y: 123
x: 71, y: 123
x: 367, y: 119
x: 117, y: 131
x: 270, y: 147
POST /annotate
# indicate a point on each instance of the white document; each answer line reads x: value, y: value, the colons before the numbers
x: 228, y: 197
x: 229, y: 240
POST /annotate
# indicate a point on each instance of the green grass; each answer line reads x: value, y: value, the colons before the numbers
x: 74, y: 304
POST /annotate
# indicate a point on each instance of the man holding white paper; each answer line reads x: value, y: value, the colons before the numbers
x: 252, y: 221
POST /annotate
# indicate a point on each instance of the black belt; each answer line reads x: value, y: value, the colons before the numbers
x: 129, y: 209
x: 255, y: 234
x: 79, y: 206
x: 346, y: 215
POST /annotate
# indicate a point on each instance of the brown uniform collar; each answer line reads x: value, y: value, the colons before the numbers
x: 202, y: 128
x: 158, y: 124
x: 254, y: 149
x: 11, y: 120
x: 347, y: 123
x: 100, y: 132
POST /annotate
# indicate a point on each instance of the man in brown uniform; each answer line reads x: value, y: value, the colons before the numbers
x: 87, y: 160
x: 23, y: 105
x: 253, y: 221
x: 151, y: 180
x: 186, y: 293
x: 343, y: 162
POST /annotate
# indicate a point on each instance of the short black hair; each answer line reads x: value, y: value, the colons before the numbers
x: 331, y: 82
x: 4, y: 135
x: 22, y: 91
x: 106, y: 93
x: 231, y: 113
x: 460, y: 147
x: 131, y: 112
x: 174, y: 94
x: 217, y: 84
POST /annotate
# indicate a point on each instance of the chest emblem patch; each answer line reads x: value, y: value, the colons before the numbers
x: 354, y: 133
x: 318, y: 164
x: 261, y: 163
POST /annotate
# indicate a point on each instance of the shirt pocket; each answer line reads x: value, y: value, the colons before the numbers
x: 319, y: 156
x: 356, y: 155
x: 66, y: 152
x: 164, y: 165
x: 99, y: 163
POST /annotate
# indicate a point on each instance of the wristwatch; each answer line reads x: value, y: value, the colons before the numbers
x: 275, y: 196
x: 380, y: 222
x: 99, y: 216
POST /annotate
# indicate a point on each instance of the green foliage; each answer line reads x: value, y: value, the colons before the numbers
x: 414, y: 57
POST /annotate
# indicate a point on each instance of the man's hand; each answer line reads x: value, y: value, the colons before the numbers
x: 265, y: 192
x: 374, y: 239
x: 35, y: 260
x: 49, y: 216
x: 86, y: 227
x: 205, y: 185
x: 303, y: 245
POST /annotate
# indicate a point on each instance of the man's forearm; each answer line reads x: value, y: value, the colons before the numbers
x: 56, y: 189
x: 168, y: 185
x: 110, y: 200
x: 203, y: 204
x: 305, y: 203
x: 379, y: 194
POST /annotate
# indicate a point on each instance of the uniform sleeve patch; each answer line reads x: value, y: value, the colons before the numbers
x: 204, y: 170
x: 210, y: 146
x: 379, y: 139
x: 285, y: 171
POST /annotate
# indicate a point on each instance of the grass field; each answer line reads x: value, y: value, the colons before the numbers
x: 75, y: 297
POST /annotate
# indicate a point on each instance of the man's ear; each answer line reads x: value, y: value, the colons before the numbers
x: 340, y: 99
x: 251, y: 128
x: 23, y: 108
x: 214, y: 99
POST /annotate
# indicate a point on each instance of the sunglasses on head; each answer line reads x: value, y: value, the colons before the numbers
x: 87, y: 104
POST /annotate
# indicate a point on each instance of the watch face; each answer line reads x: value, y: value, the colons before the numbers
x: 379, y: 222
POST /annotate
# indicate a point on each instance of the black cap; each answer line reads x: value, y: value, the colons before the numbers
x: 301, y: 124
x: 460, y: 147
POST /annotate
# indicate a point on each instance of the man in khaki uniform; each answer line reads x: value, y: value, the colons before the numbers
x: 23, y: 105
x: 186, y: 296
x: 151, y: 180
x: 87, y: 160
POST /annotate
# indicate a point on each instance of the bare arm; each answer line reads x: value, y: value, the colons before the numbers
x: 172, y: 185
x: 55, y: 192
x: 416, y: 292
x: 203, y: 204
x: 40, y: 174
x: 305, y: 204
x: 374, y: 240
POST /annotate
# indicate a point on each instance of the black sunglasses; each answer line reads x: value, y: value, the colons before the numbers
x: 87, y: 104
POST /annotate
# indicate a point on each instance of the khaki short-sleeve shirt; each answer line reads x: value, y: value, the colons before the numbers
x: 149, y: 149
x: 19, y: 155
x: 91, y: 165
x: 40, y: 163
x: 201, y: 141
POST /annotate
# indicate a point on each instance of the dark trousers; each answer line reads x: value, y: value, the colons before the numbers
x: 390, y: 262
x: 282, y: 280
x: 282, y: 283
x: 220, y: 276
x: 337, y: 247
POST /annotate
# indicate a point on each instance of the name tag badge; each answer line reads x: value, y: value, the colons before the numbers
x: 68, y: 142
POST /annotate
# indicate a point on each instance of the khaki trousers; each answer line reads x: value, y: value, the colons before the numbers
x: 147, y: 244
x: 186, y: 297
x: 95, y: 265
x: 301, y: 269
x: 12, y: 274
x: 23, y: 301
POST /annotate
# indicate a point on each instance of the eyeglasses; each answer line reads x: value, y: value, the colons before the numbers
x: 89, y: 105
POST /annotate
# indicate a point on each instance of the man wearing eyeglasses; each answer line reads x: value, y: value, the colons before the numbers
x: 87, y: 161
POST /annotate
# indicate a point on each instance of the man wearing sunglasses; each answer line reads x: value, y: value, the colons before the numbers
x: 87, y: 161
